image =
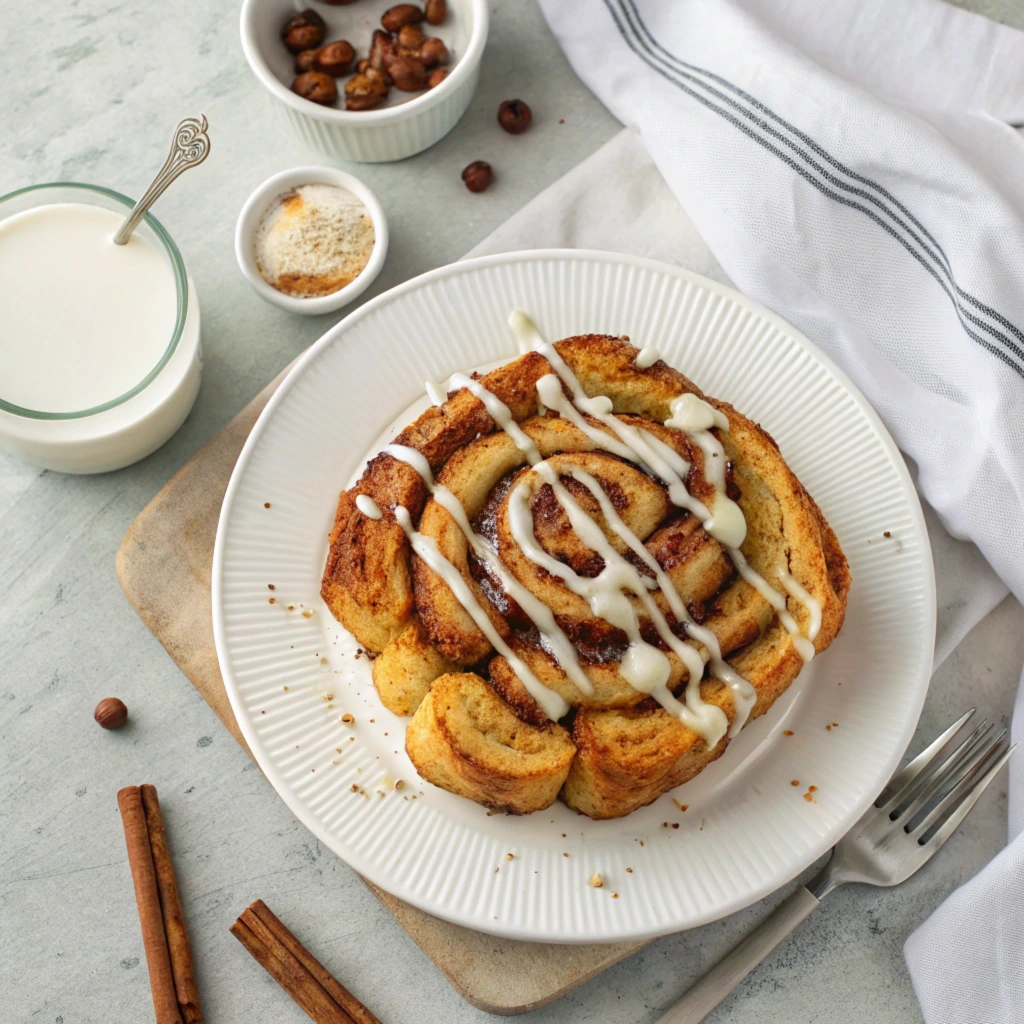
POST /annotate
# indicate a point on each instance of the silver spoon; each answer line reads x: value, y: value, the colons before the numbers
x: 189, y: 148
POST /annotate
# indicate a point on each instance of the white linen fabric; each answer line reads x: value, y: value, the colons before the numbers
x: 853, y: 166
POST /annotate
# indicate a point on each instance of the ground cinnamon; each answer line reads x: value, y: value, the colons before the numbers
x: 147, y: 898
x: 296, y: 970
x: 178, y: 946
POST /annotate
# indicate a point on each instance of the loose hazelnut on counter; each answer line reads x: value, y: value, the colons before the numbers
x: 408, y: 74
x: 437, y: 76
x: 436, y: 11
x: 316, y: 86
x: 596, y: 880
x: 433, y: 52
x: 305, y: 60
x: 514, y: 116
x: 478, y: 175
x: 401, y: 14
x: 335, y: 59
x: 365, y: 91
x: 111, y: 713
x: 303, y: 31
x: 410, y: 37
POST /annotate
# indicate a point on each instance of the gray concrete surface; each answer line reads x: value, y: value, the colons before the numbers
x: 91, y: 90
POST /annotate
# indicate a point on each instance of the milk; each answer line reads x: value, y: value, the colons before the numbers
x: 84, y: 320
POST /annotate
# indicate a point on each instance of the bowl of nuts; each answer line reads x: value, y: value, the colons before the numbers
x: 367, y: 80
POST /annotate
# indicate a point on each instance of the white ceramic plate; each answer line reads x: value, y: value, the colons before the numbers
x: 292, y: 674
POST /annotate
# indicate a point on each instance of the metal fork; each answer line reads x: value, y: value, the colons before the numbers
x: 918, y: 810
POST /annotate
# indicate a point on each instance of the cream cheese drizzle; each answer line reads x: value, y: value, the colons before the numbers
x: 730, y: 528
x: 368, y: 506
x: 435, y: 393
x: 426, y: 547
x: 540, y: 614
x: 809, y: 602
x: 647, y: 356
x: 644, y: 667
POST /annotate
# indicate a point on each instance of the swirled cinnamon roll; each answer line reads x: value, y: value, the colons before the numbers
x: 581, y: 576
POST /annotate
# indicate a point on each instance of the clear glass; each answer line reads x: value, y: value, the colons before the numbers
x: 74, y: 192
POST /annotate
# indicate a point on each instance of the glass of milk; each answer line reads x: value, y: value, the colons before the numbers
x: 99, y: 352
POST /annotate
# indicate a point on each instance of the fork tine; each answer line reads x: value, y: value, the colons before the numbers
x: 949, y: 769
x: 956, y: 791
x: 951, y: 824
x: 899, y: 783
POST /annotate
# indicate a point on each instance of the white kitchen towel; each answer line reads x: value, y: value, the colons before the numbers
x: 853, y: 166
x: 617, y: 199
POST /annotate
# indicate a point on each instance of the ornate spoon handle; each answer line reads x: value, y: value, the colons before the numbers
x: 189, y: 148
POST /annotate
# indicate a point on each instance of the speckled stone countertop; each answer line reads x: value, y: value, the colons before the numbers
x: 91, y: 91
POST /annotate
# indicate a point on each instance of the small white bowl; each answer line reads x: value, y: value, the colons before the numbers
x: 265, y: 196
x: 390, y: 132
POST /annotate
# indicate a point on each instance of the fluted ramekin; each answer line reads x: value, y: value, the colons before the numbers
x: 366, y: 136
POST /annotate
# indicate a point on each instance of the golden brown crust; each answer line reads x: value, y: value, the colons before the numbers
x: 465, y: 739
x: 404, y: 670
x: 628, y: 751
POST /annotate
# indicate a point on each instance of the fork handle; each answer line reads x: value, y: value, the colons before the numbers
x: 700, y: 1000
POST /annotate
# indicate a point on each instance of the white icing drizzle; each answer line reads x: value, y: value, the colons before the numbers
x: 808, y: 601
x: 368, y: 506
x: 803, y: 646
x: 744, y: 695
x: 644, y: 667
x: 688, y: 412
x: 426, y: 547
x: 727, y: 524
x: 647, y: 356
x: 541, y: 615
x: 435, y: 393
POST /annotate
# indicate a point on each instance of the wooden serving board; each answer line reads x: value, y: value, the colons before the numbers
x: 164, y: 566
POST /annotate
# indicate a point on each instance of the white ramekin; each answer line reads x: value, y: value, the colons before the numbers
x: 264, y: 197
x: 131, y: 427
x: 365, y: 136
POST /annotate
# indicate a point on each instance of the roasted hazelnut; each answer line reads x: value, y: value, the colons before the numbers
x: 408, y: 74
x: 383, y: 50
x: 335, y: 58
x: 111, y: 713
x: 362, y: 65
x: 305, y: 60
x: 478, y: 175
x: 433, y: 52
x: 367, y: 90
x: 303, y: 31
x: 514, y: 116
x: 437, y: 76
x: 410, y: 37
x: 436, y: 11
x: 316, y: 86
x: 401, y: 14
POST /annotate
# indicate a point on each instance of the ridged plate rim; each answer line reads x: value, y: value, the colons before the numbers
x: 573, y: 917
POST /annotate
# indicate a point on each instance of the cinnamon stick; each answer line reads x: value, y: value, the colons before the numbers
x: 147, y: 898
x: 341, y: 995
x: 178, y: 946
x: 296, y: 970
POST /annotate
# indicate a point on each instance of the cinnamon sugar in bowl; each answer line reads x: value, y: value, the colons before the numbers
x: 311, y: 239
x: 314, y: 240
